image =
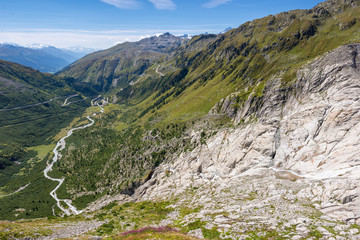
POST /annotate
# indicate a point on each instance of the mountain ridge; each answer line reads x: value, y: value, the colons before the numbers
x: 45, y: 58
x: 134, y: 56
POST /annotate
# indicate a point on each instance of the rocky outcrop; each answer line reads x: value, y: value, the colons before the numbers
x: 298, y: 146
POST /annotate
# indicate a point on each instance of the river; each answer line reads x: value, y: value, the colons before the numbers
x: 70, y: 209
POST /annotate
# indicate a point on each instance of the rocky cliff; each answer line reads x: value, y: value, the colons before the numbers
x: 291, y: 161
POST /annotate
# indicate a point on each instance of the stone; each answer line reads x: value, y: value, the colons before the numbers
x: 348, y: 199
x: 354, y: 231
x: 302, y: 229
x: 196, y: 233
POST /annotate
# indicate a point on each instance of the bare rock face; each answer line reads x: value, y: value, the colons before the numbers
x: 303, y: 150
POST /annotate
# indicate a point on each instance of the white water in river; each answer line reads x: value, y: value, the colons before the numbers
x: 70, y: 209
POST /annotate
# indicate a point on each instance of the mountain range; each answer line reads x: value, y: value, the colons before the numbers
x: 247, y: 134
x: 44, y: 58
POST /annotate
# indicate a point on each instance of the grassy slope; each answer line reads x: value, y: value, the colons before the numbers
x: 249, y: 73
x: 118, y: 66
x: 145, y: 220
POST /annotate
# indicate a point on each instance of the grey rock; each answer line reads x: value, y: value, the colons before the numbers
x: 354, y: 231
x: 297, y: 153
x: 348, y: 199
x: 196, y: 233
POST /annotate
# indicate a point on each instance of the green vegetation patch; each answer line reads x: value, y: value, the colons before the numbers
x: 131, y: 215
x: 28, y: 229
x: 154, y: 233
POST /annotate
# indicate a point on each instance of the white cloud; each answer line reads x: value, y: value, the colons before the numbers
x: 126, y: 4
x: 215, y: 3
x: 66, y: 38
x: 163, y: 4
x: 132, y: 4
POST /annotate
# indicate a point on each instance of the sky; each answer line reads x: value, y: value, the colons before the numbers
x: 100, y: 24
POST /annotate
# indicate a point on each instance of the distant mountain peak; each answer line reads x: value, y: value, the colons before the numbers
x: 226, y: 30
x: 45, y: 58
x: 38, y: 46
x: 167, y: 34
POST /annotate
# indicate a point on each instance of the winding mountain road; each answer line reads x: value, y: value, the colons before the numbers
x: 70, y: 209
x: 67, y: 103
x: 19, y: 190
x: 42, y: 103
x: 157, y: 71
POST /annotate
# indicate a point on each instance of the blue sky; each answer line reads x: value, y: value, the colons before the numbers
x: 104, y: 23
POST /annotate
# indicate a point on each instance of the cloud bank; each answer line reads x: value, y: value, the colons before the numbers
x: 215, y: 3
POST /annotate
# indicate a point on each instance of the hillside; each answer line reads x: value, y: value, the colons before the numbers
x: 290, y: 162
x: 123, y: 63
x: 250, y: 134
x: 68, y: 55
x: 31, y: 114
x: 30, y: 98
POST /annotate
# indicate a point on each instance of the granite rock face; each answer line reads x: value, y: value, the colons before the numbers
x: 297, y: 145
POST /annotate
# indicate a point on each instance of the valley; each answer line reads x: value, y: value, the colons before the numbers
x: 59, y: 147
x: 247, y: 134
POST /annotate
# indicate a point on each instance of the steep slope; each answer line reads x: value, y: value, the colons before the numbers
x: 208, y: 68
x: 26, y: 94
x: 28, y: 100
x: 302, y: 146
x: 30, y: 77
x: 119, y: 65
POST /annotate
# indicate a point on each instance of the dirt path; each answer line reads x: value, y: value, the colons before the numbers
x: 19, y: 190
x: 66, y: 103
x: 70, y: 230
x: 33, y: 105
